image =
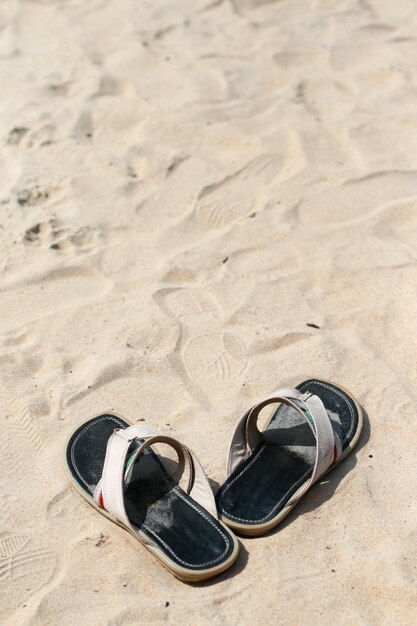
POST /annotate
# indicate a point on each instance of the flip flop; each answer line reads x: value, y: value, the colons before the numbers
x: 110, y: 463
x: 314, y: 428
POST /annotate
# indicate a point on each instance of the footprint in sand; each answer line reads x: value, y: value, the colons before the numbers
x: 32, y: 196
x: 237, y: 195
x: 25, y: 567
x: 54, y: 235
x: 26, y: 424
x: 209, y: 355
x: 179, y: 303
x: 21, y: 448
x: 220, y: 357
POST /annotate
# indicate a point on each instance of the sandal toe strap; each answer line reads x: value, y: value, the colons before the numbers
x: 247, y: 435
x: 117, y: 472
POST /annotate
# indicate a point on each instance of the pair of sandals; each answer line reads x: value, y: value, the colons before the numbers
x: 112, y: 465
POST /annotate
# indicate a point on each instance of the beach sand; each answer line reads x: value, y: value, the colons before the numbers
x: 187, y: 187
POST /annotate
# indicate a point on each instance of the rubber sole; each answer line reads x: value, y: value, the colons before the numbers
x: 182, y: 573
x: 257, y: 530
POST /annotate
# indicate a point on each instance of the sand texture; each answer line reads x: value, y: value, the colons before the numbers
x: 186, y: 187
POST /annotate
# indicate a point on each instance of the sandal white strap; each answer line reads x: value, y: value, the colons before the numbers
x: 247, y: 436
x: 198, y: 486
x: 112, y: 479
x: 115, y: 474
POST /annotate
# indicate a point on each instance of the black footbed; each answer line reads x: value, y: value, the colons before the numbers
x: 263, y: 484
x: 155, y: 504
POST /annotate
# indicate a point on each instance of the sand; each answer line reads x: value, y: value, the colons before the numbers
x: 186, y: 187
